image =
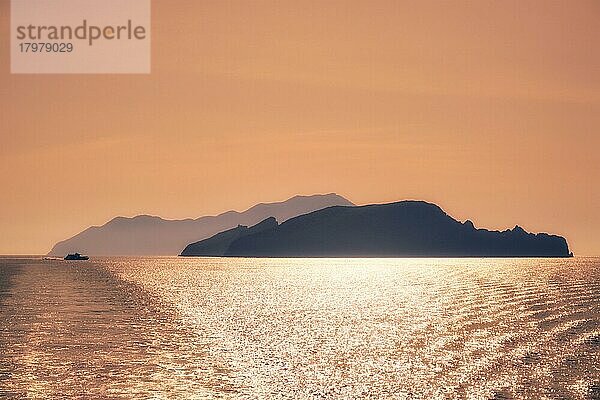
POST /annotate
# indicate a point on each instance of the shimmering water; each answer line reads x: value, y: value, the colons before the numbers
x: 300, y: 328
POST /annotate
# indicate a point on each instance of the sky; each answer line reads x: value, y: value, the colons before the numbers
x: 490, y: 109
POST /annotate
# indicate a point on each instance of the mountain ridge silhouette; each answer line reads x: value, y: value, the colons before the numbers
x: 155, y: 236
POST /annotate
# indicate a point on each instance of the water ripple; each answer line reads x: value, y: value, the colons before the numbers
x: 297, y: 328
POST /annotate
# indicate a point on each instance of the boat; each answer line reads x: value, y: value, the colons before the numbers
x: 76, y: 256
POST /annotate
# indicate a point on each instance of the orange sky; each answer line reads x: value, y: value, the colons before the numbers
x: 489, y: 109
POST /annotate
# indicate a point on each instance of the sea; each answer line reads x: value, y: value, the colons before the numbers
x: 252, y: 328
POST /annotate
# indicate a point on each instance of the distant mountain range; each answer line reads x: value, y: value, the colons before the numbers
x: 402, y: 229
x: 150, y: 235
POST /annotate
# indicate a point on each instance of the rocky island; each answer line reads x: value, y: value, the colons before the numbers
x: 401, y: 229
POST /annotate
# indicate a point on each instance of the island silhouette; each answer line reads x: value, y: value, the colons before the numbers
x: 400, y: 229
x: 146, y: 235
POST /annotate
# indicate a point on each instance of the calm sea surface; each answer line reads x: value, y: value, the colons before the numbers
x: 300, y: 328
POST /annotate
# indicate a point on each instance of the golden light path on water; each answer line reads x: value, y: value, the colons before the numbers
x: 301, y: 328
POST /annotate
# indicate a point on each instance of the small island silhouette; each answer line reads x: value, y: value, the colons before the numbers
x: 401, y: 229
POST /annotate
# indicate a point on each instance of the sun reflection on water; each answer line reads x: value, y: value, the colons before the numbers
x: 302, y: 328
